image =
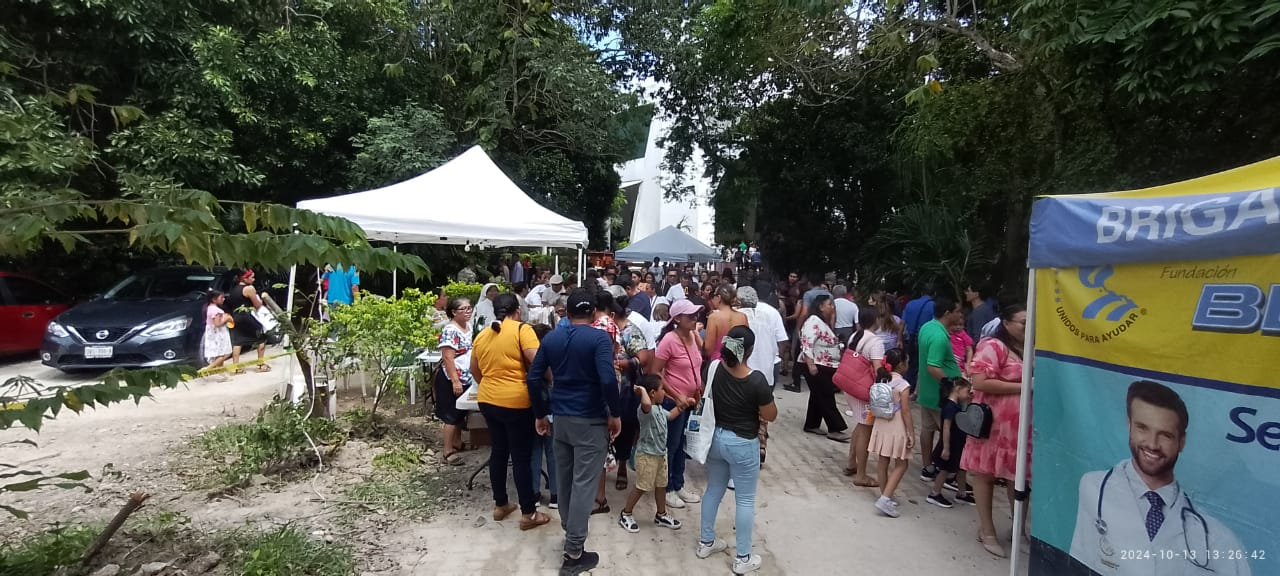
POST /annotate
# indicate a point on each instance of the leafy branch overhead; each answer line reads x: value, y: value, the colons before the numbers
x: 155, y: 213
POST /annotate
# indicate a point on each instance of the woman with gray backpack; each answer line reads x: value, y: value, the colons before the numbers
x: 892, y: 435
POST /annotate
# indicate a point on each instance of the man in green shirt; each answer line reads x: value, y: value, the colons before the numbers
x: 936, y: 361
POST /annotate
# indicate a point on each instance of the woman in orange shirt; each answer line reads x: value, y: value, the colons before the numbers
x: 501, y: 355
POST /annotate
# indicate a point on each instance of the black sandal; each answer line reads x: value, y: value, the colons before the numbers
x: 620, y: 483
x: 602, y: 507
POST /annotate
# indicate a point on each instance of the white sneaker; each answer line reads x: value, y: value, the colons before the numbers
x: 674, y: 501
x: 688, y: 497
x: 749, y: 564
x: 705, y: 551
x: 887, y: 507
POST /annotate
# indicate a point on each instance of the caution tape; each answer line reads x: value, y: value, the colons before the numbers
x: 233, y: 367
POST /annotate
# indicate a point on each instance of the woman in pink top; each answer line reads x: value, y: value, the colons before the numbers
x: 679, y: 361
x: 997, y: 382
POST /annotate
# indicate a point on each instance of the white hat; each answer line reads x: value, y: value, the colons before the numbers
x: 557, y: 279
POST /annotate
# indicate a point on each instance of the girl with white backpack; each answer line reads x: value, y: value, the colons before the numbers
x: 891, y: 435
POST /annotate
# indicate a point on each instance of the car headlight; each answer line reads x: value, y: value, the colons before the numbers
x: 57, y: 330
x: 168, y: 328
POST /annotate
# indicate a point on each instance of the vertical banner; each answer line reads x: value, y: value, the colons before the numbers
x: 1156, y: 435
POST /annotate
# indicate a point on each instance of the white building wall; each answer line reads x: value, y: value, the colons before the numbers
x: 653, y: 211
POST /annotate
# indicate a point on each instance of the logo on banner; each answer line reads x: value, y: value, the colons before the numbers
x: 1107, y: 313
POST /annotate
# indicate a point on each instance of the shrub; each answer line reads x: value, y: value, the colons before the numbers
x: 276, y: 441
x: 386, y: 334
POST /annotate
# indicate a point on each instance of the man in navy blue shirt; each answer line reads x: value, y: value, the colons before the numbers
x: 585, y: 404
x: 638, y: 301
x: 916, y: 314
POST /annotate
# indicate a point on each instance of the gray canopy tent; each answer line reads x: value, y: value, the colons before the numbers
x: 669, y: 244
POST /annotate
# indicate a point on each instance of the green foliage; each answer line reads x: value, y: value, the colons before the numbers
x: 386, y: 334
x: 1156, y: 49
x: 25, y: 402
x: 924, y: 243
x: 463, y: 290
x: 286, y: 550
x: 406, y: 142
x: 821, y: 122
x: 44, y: 554
x: 279, y: 439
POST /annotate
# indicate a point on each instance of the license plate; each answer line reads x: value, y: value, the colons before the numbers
x: 92, y: 352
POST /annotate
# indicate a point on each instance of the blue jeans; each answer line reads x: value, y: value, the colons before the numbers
x: 731, y: 456
x: 675, y: 447
x: 542, y: 448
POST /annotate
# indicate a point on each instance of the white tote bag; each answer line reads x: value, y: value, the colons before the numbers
x: 702, y: 422
x: 266, y: 319
x: 470, y: 398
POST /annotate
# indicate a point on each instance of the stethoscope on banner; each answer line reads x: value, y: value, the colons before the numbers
x: 1107, y: 551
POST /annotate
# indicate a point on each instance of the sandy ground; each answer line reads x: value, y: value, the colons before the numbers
x: 809, y: 519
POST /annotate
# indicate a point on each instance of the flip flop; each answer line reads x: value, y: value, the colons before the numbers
x: 453, y: 459
x: 849, y: 472
x: 866, y: 483
x: 264, y: 368
x: 534, y: 521
x: 601, y: 508
x: 620, y: 483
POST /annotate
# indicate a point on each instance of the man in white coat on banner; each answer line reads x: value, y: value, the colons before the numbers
x: 1136, y: 518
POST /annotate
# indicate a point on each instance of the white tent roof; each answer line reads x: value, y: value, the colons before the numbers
x: 467, y: 200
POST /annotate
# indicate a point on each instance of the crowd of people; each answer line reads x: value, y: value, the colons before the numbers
x: 580, y: 381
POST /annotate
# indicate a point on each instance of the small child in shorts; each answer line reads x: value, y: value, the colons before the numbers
x: 651, y: 454
x: 946, y: 453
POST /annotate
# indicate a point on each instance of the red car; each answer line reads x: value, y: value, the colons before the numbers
x: 26, y: 307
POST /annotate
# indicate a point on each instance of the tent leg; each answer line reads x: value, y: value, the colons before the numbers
x: 581, y: 270
x: 394, y: 248
x: 1024, y: 424
x: 288, y: 309
x: 557, y: 267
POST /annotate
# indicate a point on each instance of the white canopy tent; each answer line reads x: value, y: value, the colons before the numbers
x: 468, y: 200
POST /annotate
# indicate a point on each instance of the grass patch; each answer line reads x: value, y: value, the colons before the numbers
x: 399, y: 483
x: 274, y: 442
x: 45, y: 553
x: 285, y: 551
x: 160, y: 527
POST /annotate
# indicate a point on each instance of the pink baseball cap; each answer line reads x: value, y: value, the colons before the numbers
x: 684, y: 306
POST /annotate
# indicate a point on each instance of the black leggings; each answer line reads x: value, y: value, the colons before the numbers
x: 822, y: 401
x: 625, y: 441
x: 511, y: 431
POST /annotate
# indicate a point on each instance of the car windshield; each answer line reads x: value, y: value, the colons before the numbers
x: 161, y: 286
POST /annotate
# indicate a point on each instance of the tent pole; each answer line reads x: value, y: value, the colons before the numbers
x: 581, y: 270
x: 557, y: 270
x: 394, y: 248
x: 1021, y: 501
x: 288, y: 310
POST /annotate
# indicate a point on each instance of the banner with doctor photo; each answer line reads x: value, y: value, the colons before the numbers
x: 1156, y: 397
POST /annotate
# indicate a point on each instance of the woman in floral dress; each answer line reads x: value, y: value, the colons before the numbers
x: 454, y: 375
x: 997, y: 382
